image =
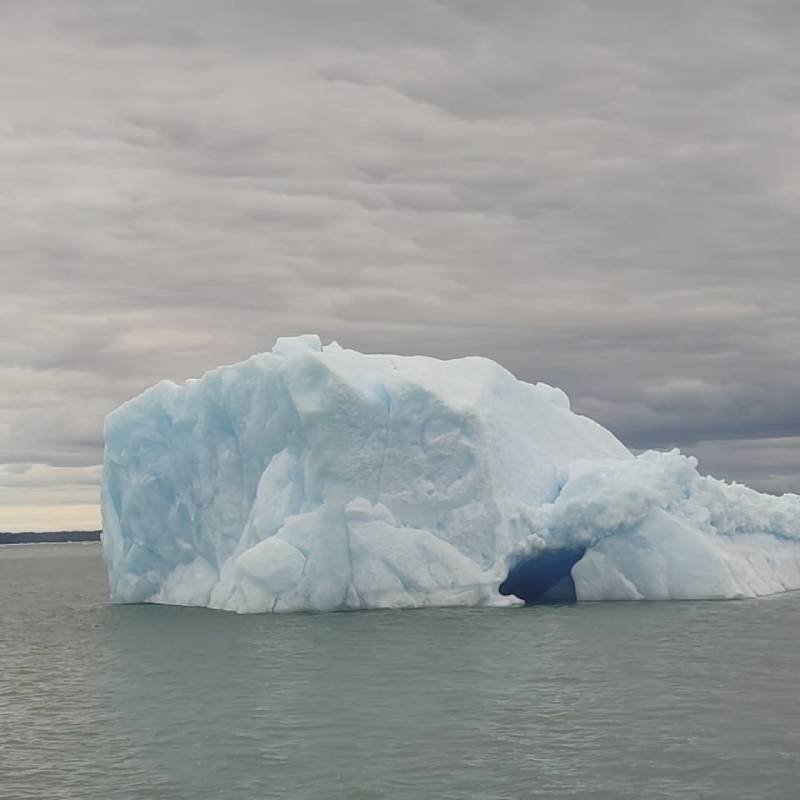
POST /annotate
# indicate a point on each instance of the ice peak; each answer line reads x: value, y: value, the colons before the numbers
x: 290, y: 345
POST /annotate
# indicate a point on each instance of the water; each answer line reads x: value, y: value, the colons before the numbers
x: 660, y: 700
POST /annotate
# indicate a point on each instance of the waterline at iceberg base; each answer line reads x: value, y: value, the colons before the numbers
x: 319, y: 478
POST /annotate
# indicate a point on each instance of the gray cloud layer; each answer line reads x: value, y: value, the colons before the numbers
x: 604, y: 196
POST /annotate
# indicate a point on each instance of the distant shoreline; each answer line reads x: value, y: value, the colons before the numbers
x: 34, y: 537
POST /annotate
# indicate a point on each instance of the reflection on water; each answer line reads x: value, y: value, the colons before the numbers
x: 647, y: 700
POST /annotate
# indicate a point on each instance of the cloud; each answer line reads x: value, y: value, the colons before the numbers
x: 605, y: 198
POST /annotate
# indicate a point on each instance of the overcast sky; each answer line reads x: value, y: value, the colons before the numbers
x: 600, y: 195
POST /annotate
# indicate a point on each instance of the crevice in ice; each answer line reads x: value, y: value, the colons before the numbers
x: 385, y: 454
x: 397, y: 574
x: 545, y: 577
x: 134, y: 542
x: 351, y: 579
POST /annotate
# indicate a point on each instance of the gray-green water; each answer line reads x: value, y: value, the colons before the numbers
x: 661, y: 700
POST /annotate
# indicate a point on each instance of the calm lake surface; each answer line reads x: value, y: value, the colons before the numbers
x: 640, y: 700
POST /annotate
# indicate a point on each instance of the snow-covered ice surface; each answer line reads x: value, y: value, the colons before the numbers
x: 318, y: 478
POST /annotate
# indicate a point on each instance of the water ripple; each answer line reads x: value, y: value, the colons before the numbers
x: 648, y: 700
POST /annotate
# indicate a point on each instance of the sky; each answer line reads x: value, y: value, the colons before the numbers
x: 602, y: 196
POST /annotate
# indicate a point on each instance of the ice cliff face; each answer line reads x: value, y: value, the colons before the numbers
x: 320, y: 478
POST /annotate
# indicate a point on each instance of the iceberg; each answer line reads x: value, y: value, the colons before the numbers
x: 319, y: 478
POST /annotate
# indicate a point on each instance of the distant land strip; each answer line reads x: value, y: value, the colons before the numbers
x: 31, y: 537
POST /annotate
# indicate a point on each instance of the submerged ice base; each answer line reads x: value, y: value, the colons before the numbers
x: 317, y: 478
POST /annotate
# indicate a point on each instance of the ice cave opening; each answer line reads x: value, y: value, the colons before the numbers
x: 545, y: 577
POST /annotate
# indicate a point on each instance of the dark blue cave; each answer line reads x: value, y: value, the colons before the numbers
x: 544, y: 578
